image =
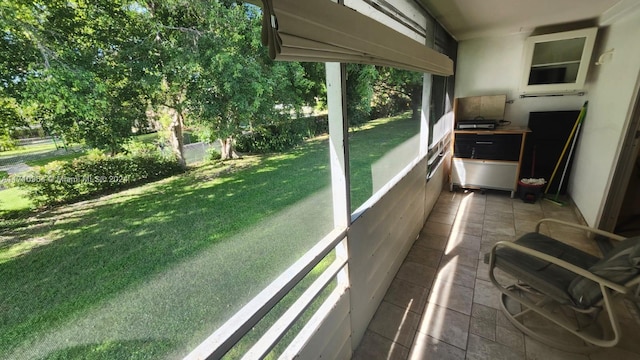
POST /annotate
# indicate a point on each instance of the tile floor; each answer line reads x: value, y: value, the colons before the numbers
x: 441, y: 304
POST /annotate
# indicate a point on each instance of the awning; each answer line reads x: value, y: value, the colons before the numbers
x: 323, y: 31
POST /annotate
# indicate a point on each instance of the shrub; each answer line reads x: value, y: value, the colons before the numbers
x: 270, y: 138
x: 213, y: 154
x: 282, y: 136
x: 389, y: 104
x: 82, y: 178
x: 7, y: 143
x: 138, y: 148
x: 316, y: 125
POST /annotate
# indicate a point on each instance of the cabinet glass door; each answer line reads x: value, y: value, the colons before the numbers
x: 557, y: 63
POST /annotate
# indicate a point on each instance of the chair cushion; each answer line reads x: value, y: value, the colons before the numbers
x: 620, y: 265
x: 547, y: 278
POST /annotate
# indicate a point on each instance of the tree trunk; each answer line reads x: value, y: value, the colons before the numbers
x: 176, y: 138
x: 227, y: 152
x: 416, y: 103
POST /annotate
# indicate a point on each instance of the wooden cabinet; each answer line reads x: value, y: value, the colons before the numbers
x: 488, y: 159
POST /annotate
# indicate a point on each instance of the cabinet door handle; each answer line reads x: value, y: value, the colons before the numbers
x: 484, y: 142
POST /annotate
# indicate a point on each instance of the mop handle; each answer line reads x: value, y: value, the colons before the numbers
x: 533, y: 162
x: 566, y: 145
x: 566, y: 165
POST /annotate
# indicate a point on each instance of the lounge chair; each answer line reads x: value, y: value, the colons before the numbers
x: 568, y: 287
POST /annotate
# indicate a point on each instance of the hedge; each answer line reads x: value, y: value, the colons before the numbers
x: 64, y: 182
x: 282, y: 136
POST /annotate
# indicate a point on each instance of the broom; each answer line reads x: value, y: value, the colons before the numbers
x: 574, y: 134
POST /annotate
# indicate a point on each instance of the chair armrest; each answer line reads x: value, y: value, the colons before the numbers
x: 609, y: 235
x: 559, y: 262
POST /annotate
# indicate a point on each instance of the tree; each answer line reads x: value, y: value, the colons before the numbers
x: 238, y: 86
x: 174, y: 32
x: 208, y: 69
x: 360, y: 81
x: 10, y: 118
x: 403, y: 87
x: 93, y: 70
x: 71, y: 62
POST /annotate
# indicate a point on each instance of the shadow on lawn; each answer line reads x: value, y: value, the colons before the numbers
x: 96, y: 250
x: 101, y: 247
x: 134, y: 349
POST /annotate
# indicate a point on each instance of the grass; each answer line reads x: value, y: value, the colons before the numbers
x: 63, y: 157
x: 13, y: 199
x: 22, y: 150
x: 147, y: 138
x: 42, y: 154
x: 371, y: 142
x: 34, y: 157
x: 150, y: 272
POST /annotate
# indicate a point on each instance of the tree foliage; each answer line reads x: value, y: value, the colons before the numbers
x: 90, y: 70
x: 401, y: 90
x: 237, y: 86
x: 71, y: 63
x: 10, y: 118
x: 359, y: 87
x: 93, y: 71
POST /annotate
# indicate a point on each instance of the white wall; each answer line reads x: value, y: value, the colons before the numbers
x: 381, y: 237
x: 379, y: 240
x: 611, y: 94
x: 491, y: 66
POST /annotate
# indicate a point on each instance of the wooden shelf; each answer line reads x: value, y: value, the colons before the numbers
x: 487, y: 173
x: 499, y: 130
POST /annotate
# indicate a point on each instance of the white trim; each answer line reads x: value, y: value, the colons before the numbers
x: 226, y: 336
x: 618, y: 12
x: 312, y: 327
x: 427, y: 81
x: 385, y: 189
x: 277, y: 331
x: 338, y: 144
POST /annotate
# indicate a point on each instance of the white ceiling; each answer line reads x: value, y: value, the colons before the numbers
x: 467, y: 19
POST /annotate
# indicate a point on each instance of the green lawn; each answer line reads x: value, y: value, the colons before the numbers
x: 13, y: 199
x: 152, y: 271
x: 368, y: 144
x: 63, y: 157
x: 37, y: 156
x: 21, y: 150
x: 147, y: 138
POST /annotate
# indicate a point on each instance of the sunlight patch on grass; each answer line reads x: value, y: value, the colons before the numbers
x: 169, y: 261
x: 29, y: 149
x: 266, y: 169
x: 170, y: 304
x: 62, y: 157
x: 369, y: 125
x: 21, y: 248
x: 14, y: 199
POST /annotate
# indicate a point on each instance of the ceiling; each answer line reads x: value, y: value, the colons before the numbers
x: 467, y: 19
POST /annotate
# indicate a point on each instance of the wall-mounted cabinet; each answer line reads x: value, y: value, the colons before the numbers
x: 557, y: 63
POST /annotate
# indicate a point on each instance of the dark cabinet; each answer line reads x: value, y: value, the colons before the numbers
x: 487, y: 159
x: 549, y: 133
x: 488, y: 146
